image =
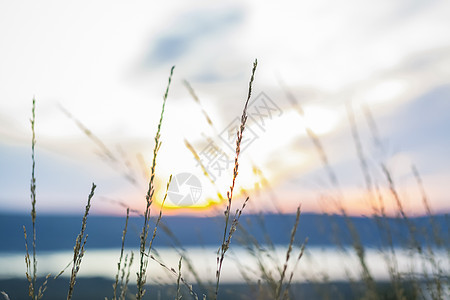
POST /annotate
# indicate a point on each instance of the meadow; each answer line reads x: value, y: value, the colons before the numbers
x: 422, y: 242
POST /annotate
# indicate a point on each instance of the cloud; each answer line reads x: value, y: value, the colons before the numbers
x: 188, y: 30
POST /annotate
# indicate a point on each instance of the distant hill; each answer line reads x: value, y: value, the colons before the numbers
x: 59, y: 232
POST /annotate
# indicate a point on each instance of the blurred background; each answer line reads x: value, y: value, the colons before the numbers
x: 107, y: 65
x: 345, y: 93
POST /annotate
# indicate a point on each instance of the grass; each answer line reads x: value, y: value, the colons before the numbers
x: 32, y: 266
x: 80, y: 243
x: 144, y: 253
x: 228, y: 234
x: 122, y: 269
x: 276, y: 278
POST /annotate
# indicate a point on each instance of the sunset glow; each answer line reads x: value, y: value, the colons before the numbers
x: 99, y: 87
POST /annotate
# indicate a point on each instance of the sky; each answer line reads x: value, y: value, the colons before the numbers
x: 382, y: 66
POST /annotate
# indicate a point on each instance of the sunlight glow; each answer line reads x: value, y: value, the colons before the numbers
x: 320, y: 119
x: 108, y: 66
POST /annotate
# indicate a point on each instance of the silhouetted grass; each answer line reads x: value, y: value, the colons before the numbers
x: 228, y: 234
x: 142, y: 275
x: 79, y: 249
x: 275, y: 280
x: 121, y: 268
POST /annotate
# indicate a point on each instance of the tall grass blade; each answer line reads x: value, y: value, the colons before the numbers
x: 79, y: 249
x: 141, y: 275
x: 226, y: 241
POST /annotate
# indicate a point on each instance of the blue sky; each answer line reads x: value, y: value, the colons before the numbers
x: 107, y: 63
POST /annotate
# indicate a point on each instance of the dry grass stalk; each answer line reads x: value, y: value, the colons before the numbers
x: 357, y: 245
x: 143, y: 165
x: 226, y: 240
x: 178, y: 246
x: 413, y: 237
x: 119, y: 264
x: 79, y: 250
x: 106, y: 152
x: 394, y: 193
x: 256, y: 250
x: 435, y: 285
x: 174, y: 272
x: 197, y: 100
x: 260, y: 253
x: 122, y: 166
x: 369, y: 189
x: 288, y: 254
x: 122, y: 204
x: 314, y: 138
x: 125, y: 272
x: 32, y: 267
x: 235, y: 223
x: 141, y: 275
x: 273, y: 284
x: 205, y: 171
x: 396, y: 277
x: 263, y: 182
x: 437, y: 234
x: 300, y: 255
x: 380, y: 215
x: 29, y: 271
x: 127, y: 278
x: 373, y: 128
x: 389, y: 255
x: 178, y: 297
x: 411, y: 227
x: 226, y: 244
x: 360, y: 154
x: 159, y: 217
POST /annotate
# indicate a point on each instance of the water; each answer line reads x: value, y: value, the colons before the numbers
x: 316, y: 264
